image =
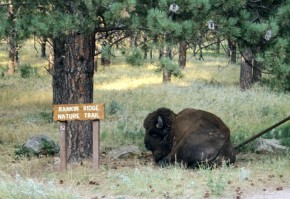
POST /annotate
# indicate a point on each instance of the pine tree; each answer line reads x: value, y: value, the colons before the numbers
x: 275, y: 57
x: 175, y: 23
x: 71, y: 25
x: 8, y: 31
x: 74, y: 65
x: 248, y: 24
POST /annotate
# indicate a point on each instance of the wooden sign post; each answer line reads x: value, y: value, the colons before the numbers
x: 68, y: 112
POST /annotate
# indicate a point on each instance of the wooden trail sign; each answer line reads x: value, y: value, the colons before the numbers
x: 69, y: 112
x: 65, y: 112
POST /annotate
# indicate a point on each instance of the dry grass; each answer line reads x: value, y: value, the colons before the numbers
x: 134, y: 92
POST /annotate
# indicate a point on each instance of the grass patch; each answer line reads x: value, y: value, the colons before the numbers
x: 20, y: 187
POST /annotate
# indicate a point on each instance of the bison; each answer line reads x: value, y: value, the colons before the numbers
x: 191, y: 137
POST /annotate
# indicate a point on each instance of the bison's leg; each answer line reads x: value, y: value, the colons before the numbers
x: 227, y: 154
x: 172, y: 159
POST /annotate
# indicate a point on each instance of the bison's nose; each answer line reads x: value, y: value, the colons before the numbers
x: 148, y: 146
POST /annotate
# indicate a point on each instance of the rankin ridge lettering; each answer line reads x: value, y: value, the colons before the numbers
x: 65, y: 112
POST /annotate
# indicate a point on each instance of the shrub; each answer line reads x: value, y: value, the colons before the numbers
x: 113, y: 108
x: 46, y: 116
x: 3, y: 70
x: 171, y: 66
x: 27, y: 71
x: 135, y: 57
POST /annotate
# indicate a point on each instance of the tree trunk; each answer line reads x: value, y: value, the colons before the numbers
x: 166, y: 73
x: 166, y: 76
x: 228, y: 49
x: 43, y: 47
x: 11, y: 55
x: 194, y: 49
x: 11, y: 39
x: 145, y: 48
x: 106, y: 54
x: 246, y: 73
x: 73, y: 84
x: 51, y: 59
x: 218, y: 46
x: 200, y: 53
x: 145, y: 54
x: 233, y: 51
x: 257, y: 73
x: 160, y: 54
x: 182, y: 54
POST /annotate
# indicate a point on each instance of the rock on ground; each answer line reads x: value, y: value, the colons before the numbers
x: 124, y: 151
x: 40, y: 144
x: 269, y: 146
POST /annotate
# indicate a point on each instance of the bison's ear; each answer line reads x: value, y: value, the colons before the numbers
x: 159, y: 125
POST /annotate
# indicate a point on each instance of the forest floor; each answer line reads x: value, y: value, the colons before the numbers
x: 139, y: 171
x: 270, y: 190
x: 273, y: 187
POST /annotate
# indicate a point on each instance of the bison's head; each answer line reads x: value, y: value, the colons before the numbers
x: 157, y: 125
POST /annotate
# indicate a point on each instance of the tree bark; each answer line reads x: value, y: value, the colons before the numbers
x: 106, y: 56
x: 246, y: 73
x: 166, y: 73
x: 233, y: 51
x: 200, y: 52
x: 43, y: 47
x: 145, y: 48
x: 11, y: 39
x: 182, y: 54
x: 218, y: 45
x: 257, y: 73
x: 73, y: 84
x: 194, y: 49
x: 166, y: 76
x: 51, y: 58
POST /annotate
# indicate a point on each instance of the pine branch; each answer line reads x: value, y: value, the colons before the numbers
x: 108, y: 29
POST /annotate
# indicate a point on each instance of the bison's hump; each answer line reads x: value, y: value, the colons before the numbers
x: 191, y: 120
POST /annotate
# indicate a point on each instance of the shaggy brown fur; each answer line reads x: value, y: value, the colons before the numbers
x: 191, y: 137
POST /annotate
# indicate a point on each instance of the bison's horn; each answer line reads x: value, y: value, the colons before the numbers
x: 159, y: 125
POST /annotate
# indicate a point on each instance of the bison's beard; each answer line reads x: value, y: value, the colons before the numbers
x: 163, y: 150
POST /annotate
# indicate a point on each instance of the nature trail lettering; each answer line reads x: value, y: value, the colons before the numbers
x: 65, y: 112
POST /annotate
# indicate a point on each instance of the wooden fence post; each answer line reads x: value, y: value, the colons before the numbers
x: 96, y: 143
x: 63, y: 147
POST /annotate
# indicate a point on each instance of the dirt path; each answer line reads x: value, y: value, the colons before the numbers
x: 271, y: 194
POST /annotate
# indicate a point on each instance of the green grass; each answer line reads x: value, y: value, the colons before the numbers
x: 130, y: 93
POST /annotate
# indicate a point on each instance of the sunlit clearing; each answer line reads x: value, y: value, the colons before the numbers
x: 125, y: 83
